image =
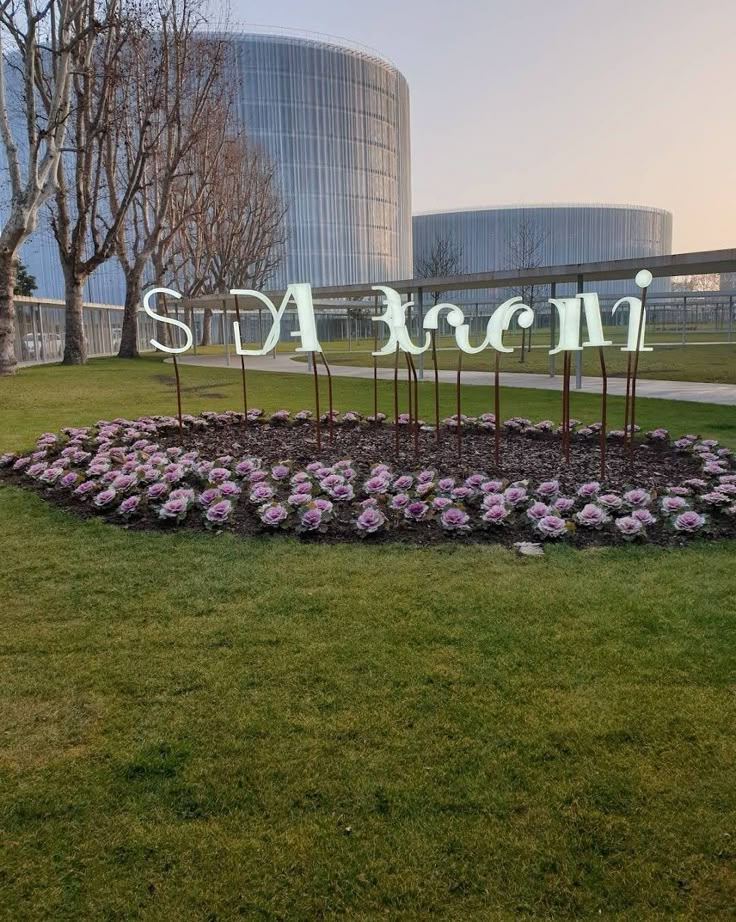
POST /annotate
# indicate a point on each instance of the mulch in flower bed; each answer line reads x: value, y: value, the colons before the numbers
x: 701, y: 474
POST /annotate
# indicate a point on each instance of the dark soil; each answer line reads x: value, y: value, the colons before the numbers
x: 533, y: 457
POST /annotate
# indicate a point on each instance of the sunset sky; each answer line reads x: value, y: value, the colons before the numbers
x: 557, y: 100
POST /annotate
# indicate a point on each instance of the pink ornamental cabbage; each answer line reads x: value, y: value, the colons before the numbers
x: 454, y: 519
x: 689, y: 521
x: 370, y: 521
x: 552, y: 526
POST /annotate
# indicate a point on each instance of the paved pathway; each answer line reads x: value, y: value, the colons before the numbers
x: 645, y: 387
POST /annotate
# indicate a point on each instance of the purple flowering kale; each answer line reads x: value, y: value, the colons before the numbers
x: 416, y: 510
x: 399, y: 501
x: 629, y: 527
x: 261, y: 493
x: 324, y: 505
x: 549, y: 488
x: 69, y: 479
x: 689, y: 521
x: 454, y: 519
x: 129, y: 506
x: 104, y: 498
x: 446, y: 484
x: 592, y: 516
x: 342, y: 492
x: 51, y: 475
x: 370, y: 521
x: 218, y: 475
x: 515, y: 495
x: 311, y: 519
x: 589, y: 490
x: 644, y: 516
x: 273, y: 515
x: 403, y: 483
x: 610, y: 501
x: 157, y: 490
x: 175, y: 509
x: 280, y: 471
x: 377, y: 484
x: 552, y: 526
x: 441, y: 502
x: 716, y: 499
x: 673, y: 504
x: 229, y: 489
x: 496, y: 514
x: 209, y: 496
x: 637, y: 498
x: 537, y: 511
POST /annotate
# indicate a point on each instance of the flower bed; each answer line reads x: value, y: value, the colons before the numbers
x: 262, y: 476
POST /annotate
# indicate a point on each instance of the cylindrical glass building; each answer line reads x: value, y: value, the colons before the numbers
x: 507, y: 237
x: 334, y: 119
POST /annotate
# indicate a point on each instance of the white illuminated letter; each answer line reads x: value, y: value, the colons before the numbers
x: 568, y: 310
x: 171, y: 320
x: 395, y: 319
x: 593, y: 323
x: 501, y: 320
x: 637, y: 315
x: 301, y: 292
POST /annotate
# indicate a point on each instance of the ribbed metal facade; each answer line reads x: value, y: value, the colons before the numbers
x: 562, y: 234
x: 335, y: 121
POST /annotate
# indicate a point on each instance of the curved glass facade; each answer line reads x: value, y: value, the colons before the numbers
x: 335, y: 122
x: 491, y: 238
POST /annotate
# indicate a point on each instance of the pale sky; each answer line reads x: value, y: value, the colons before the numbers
x: 629, y: 101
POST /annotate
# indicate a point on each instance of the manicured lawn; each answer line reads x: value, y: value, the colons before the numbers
x: 716, y: 364
x: 199, y: 727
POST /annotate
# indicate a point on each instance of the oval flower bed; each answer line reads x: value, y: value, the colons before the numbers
x: 260, y: 475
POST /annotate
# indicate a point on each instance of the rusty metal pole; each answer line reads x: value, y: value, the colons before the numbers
x: 375, y: 367
x: 436, y: 388
x: 396, y: 398
x: 316, y: 403
x: 331, y: 423
x: 604, y: 396
x: 242, y: 362
x: 459, y: 405
x: 636, y: 368
x: 497, y: 411
x: 176, y: 373
x: 413, y: 369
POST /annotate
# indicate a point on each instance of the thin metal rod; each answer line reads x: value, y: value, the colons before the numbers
x: 567, y: 363
x: 413, y: 369
x: 636, y: 368
x: 242, y: 359
x: 627, y: 400
x: 604, y: 396
x: 436, y: 388
x: 316, y: 403
x: 396, y: 398
x: 411, y: 396
x: 459, y: 404
x: 331, y: 422
x: 176, y: 373
x: 375, y: 377
x: 497, y: 411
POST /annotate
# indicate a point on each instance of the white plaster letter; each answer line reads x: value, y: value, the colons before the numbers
x: 501, y: 319
x: 170, y: 320
x: 301, y: 292
x: 395, y: 319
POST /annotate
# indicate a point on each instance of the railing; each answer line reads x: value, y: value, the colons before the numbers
x: 681, y: 318
x: 40, y: 330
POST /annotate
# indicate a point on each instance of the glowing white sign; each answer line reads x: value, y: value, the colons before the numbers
x: 569, y: 311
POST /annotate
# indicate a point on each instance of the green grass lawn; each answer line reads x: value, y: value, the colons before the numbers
x: 715, y: 364
x: 199, y: 727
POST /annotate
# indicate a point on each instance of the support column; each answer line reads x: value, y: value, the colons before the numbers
x: 579, y: 354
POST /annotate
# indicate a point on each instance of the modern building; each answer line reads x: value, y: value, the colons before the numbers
x: 334, y: 119
x: 506, y: 237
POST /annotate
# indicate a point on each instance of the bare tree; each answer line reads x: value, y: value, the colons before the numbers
x: 191, y: 66
x: 38, y: 39
x: 85, y: 219
x: 710, y: 282
x: 237, y: 236
x: 525, y: 250
x: 443, y: 259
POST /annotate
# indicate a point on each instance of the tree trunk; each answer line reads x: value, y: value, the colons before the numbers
x: 206, y: 327
x: 8, y: 360
x: 75, y: 344
x: 129, y: 339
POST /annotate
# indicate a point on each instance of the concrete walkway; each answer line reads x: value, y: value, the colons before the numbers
x: 664, y: 390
